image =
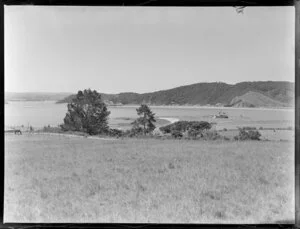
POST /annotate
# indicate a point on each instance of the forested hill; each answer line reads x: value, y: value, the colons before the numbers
x: 244, y: 94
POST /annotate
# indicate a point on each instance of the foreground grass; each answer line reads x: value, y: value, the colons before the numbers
x: 61, y: 179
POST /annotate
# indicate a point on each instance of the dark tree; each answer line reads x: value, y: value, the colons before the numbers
x: 194, y: 127
x: 245, y: 134
x: 87, y: 113
x: 145, y: 120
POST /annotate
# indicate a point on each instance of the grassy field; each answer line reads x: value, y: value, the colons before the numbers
x: 63, y: 179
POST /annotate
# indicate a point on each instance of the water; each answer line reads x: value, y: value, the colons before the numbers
x: 39, y: 114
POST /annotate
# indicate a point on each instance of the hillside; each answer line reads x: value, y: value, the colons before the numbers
x: 35, y: 96
x: 255, y: 99
x: 263, y: 94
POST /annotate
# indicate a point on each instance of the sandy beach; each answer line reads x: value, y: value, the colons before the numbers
x: 171, y: 120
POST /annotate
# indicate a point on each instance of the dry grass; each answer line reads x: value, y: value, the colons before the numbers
x: 61, y: 179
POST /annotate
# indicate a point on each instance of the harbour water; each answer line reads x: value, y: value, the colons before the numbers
x: 40, y: 114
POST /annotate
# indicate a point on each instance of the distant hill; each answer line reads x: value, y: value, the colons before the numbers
x: 255, y: 99
x: 245, y: 94
x: 35, y: 96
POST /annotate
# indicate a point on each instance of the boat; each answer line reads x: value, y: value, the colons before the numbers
x: 221, y: 115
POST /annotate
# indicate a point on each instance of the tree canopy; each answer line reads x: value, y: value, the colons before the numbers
x: 87, y: 113
x: 146, y: 119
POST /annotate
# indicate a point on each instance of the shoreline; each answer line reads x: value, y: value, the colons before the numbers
x: 166, y: 106
x: 171, y: 120
x: 207, y: 107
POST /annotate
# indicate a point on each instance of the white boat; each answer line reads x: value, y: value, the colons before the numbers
x: 221, y: 115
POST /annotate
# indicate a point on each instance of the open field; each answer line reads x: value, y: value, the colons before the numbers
x: 62, y: 179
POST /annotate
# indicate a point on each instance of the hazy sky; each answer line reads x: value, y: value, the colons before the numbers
x: 120, y: 49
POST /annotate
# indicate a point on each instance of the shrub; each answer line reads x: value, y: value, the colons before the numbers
x: 176, y: 126
x: 156, y: 132
x: 261, y: 128
x: 183, y: 126
x: 224, y: 129
x: 115, y: 133
x: 200, y: 126
x: 211, y: 135
x: 194, y: 133
x: 248, y: 128
x: 193, y: 129
x: 176, y: 134
x: 254, y: 135
x: 134, y: 132
x: 166, y: 129
x: 248, y: 135
x: 172, y: 127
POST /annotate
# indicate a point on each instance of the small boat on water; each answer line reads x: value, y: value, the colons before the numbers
x: 221, y: 115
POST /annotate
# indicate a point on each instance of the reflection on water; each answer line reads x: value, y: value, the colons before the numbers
x: 39, y: 114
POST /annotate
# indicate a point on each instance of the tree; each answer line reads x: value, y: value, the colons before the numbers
x: 87, y: 113
x: 145, y: 120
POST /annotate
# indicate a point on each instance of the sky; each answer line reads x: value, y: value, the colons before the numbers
x: 144, y: 49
